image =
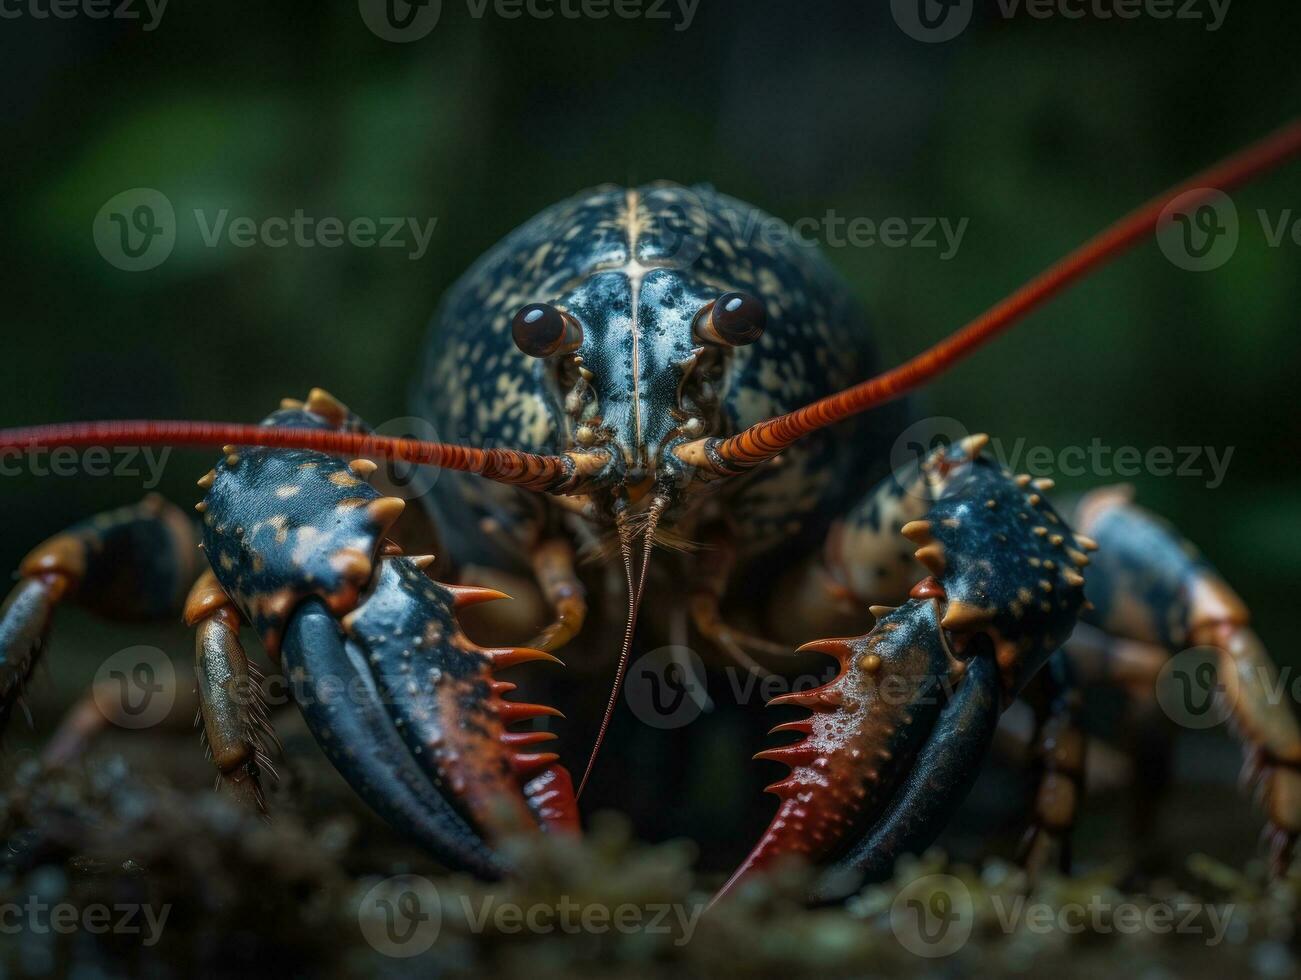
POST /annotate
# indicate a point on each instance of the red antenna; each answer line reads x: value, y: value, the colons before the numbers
x: 762, y: 441
x: 765, y: 440
x: 551, y: 473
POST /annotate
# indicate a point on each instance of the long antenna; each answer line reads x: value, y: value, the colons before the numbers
x: 556, y: 474
x: 765, y: 440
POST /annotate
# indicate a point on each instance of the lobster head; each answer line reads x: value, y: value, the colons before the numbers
x: 636, y: 360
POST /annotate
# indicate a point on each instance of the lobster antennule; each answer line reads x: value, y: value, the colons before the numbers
x: 552, y: 474
x: 764, y: 440
x: 635, y: 588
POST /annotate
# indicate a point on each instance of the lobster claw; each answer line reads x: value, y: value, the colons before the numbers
x: 895, y: 740
x: 408, y: 709
x: 409, y: 712
x: 891, y: 747
x: 938, y: 779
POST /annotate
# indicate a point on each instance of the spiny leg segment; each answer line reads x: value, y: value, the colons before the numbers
x: 133, y: 563
x: 1058, y: 756
x: 1152, y: 586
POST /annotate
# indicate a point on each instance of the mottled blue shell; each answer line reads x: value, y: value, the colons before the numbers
x: 635, y: 266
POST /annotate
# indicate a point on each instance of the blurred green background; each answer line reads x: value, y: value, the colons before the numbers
x: 1038, y: 132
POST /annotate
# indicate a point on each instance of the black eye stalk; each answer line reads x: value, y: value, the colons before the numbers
x: 734, y: 320
x: 541, y: 330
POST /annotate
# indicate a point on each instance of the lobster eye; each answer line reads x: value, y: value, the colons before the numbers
x: 541, y: 330
x: 734, y: 319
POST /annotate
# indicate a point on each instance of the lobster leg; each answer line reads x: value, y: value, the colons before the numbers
x: 1134, y: 668
x: 236, y: 727
x: 133, y: 563
x: 553, y: 566
x: 896, y: 739
x: 1152, y: 586
x: 1058, y: 751
x: 711, y: 573
x: 407, y: 708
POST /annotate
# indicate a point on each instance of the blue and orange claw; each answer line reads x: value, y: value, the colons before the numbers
x: 867, y: 727
x: 895, y: 740
x: 891, y: 748
x: 420, y: 730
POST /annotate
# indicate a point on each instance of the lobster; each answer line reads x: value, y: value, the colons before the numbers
x: 626, y: 370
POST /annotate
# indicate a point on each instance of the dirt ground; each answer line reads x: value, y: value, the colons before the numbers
x: 126, y: 862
